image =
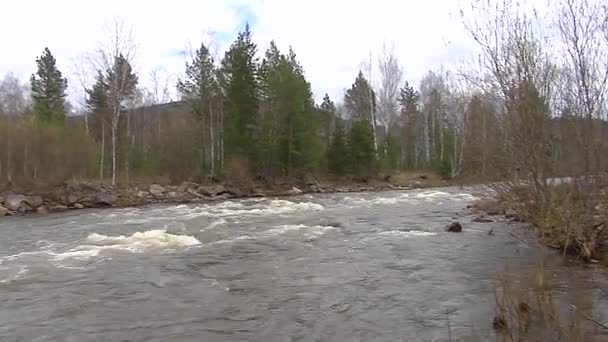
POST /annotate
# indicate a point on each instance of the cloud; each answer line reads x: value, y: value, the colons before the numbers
x: 330, y: 38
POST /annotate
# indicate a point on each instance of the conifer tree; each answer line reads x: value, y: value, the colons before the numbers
x: 48, y: 90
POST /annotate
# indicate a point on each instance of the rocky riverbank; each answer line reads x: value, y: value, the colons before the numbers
x: 73, y: 196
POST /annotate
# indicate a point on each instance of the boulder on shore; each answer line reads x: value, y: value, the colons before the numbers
x: 34, y: 201
x: 454, y: 227
x: 42, y: 210
x: 105, y: 199
x: 156, y: 190
x: 187, y: 187
x: 15, y: 202
x: 294, y: 191
x: 3, y: 211
x: 212, y: 191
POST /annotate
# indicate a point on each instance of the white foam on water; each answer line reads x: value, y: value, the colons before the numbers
x: 231, y: 209
x: 404, y: 198
x: 406, y: 233
x: 142, y: 241
x: 307, y: 231
x: 94, y: 246
x: 432, y: 194
x: 14, y: 273
x: 214, y: 224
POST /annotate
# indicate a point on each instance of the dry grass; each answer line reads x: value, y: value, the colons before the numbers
x: 571, y: 217
x: 528, y: 310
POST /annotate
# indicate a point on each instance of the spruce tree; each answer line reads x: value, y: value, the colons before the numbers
x: 337, y: 153
x: 362, y: 158
x: 200, y: 89
x: 48, y: 90
x: 411, y: 124
x: 360, y: 99
x: 242, y: 103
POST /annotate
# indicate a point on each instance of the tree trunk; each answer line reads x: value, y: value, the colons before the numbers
x: 103, y: 151
x: 25, y: 159
x: 114, y: 129
x: 212, y: 137
x: 86, y: 122
x: 128, y: 148
x: 427, y: 140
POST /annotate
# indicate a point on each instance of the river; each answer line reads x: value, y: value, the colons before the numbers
x: 332, y: 267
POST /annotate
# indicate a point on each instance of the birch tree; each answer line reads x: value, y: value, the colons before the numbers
x: 391, y: 76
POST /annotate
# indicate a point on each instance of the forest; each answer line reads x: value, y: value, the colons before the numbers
x: 531, y: 106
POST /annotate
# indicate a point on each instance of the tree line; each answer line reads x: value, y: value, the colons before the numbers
x: 524, y: 108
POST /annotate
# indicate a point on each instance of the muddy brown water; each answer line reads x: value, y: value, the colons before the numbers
x: 339, y: 267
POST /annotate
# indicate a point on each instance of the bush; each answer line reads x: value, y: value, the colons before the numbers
x: 444, y: 169
x: 34, y: 153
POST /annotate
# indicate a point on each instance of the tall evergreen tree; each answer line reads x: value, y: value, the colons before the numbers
x: 200, y: 89
x: 121, y: 83
x: 328, y: 118
x: 360, y: 99
x: 97, y: 105
x: 362, y: 158
x: 242, y: 103
x: 337, y: 153
x: 48, y: 90
x: 410, y: 120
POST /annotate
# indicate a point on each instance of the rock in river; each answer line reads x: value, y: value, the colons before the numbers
x: 454, y: 227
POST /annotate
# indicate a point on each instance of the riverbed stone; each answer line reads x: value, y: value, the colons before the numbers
x: 3, y: 211
x: 454, y: 227
x: 212, y: 191
x: 157, y: 190
x: 42, y: 210
x: 34, y: 201
x: 187, y: 187
x: 294, y: 191
x: 14, y: 202
x: 482, y: 219
x: 105, y: 199
x: 78, y: 206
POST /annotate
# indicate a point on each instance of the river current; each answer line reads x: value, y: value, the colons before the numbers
x: 332, y: 267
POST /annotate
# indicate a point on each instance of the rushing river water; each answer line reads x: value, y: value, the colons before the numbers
x: 340, y: 267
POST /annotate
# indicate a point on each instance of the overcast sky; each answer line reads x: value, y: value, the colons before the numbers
x: 330, y: 37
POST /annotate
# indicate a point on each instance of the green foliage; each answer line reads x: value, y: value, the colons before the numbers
x: 390, y: 153
x: 444, y: 169
x: 362, y: 158
x: 36, y: 153
x: 200, y: 90
x: 121, y: 85
x: 360, y: 99
x: 337, y: 153
x: 48, y: 90
x: 242, y: 102
x: 288, y: 121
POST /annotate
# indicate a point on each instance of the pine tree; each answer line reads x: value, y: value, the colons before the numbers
x: 48, y: 90
x: 362, y: 158
x: 411, y: 125
x: 242, y: 103
x: 391, y: 153
x: 288, y: 120
x: 97, y: 105
x: 200, y: 89
x: 337, y: 153
x: 358, y: 101
x: 328, y: 118
x: 122, y: 85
